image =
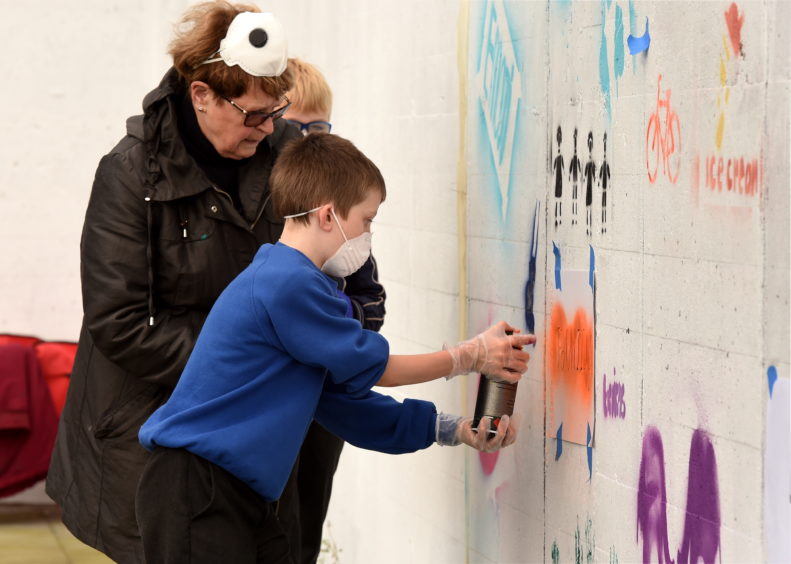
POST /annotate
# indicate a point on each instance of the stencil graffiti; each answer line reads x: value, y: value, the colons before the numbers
x: 557, y: 167
x: 701, y: 533
x: 604, y: 180
x: 589, y: 175
x: 612, y: 398
x: 733, y: 175
x: 575, y: 174
x: 663, y: 139
x: 498, y: 83
x: 590, y: 178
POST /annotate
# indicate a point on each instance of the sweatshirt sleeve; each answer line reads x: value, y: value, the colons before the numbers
x: 310, y: 322
x: 377, y: 422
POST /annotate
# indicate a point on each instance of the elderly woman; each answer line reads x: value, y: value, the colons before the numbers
x: 178, y: 208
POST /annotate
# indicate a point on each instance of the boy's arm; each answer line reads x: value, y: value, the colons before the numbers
x: 494, y: 353
x: 379, y: 422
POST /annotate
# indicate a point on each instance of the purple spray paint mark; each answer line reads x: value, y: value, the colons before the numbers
x: 652, y: 498
x: 612, y: 398
x: 701, y: 540
x: 702, y: 524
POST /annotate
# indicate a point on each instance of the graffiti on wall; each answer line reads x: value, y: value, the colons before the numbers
x: 663, y: 139
x: 586, y: 177
x: 613, y: 401
x: 701, y: 533
x: 731, y: 180
x: 635, y: 45
x: 570, y: 356
x: 498, y: 84
x: 584, y: 546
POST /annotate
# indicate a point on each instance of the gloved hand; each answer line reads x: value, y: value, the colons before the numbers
x: 452, y: 430
x: 493, y: 353
x: 347, y: 299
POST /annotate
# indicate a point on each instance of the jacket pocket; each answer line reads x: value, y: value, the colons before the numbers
x: 129, y: 416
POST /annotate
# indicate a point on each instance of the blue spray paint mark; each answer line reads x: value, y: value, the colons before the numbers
x: 632, y: 28
x: 560, y: 442
x: 618, y: 56
x: 604, y: 66
x: 563, y: 7
x: 590, y: 454
x: 592, y: 268
x: 530, y: 285
x: 639, y: 44
x: 556, y: 252
x: 771, y: 375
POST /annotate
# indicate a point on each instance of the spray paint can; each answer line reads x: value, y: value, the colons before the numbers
x: 494, y: 400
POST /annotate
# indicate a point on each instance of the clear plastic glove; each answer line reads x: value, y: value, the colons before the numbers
x: 494, y: 353
x: 454, y: 429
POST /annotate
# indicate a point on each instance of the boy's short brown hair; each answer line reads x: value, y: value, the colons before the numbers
x: 322, y: 168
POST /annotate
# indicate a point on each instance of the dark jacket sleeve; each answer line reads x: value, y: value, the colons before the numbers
x: 377, y: 422
x: 115, y: 281
x: 367, y: 295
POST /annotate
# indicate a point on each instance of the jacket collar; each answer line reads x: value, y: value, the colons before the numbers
x: 171, y: 172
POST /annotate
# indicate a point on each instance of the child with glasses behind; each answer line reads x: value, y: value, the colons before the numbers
x: 311, y: 99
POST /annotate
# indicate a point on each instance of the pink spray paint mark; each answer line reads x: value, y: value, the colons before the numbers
x: 701, y: 540
x: 488, y: 461
x: 735, y: 22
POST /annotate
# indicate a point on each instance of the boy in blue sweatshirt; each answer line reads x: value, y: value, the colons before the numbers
x: 278, y: 351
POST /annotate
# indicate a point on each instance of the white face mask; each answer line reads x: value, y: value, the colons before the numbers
x: 256, y: 41
x: 350, y: 256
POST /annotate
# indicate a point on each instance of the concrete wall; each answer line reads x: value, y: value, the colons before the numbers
x: 691, y: 278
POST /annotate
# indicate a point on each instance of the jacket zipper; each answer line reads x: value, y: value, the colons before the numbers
x: 227, y: 195
x: 261, y: 211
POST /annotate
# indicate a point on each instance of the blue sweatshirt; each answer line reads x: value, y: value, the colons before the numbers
x: 276, y: 351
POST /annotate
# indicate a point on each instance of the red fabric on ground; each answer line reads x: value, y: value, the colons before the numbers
x: 28, y: 421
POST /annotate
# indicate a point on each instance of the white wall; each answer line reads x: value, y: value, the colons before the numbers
x: 692, y: 285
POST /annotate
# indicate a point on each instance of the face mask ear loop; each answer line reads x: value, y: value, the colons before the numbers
x: 339, y: 225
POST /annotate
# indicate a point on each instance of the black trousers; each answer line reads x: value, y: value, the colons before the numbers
x: 303, y: 505
x: 191, y: 511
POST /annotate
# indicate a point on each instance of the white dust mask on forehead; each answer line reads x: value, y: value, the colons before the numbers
x: 350, y: 256
x: 256, y: 41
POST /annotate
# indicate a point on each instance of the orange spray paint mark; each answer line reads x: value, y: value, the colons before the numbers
x: 734, y: 20
x: 570, y: 368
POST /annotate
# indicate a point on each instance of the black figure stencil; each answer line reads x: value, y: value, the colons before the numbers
x: 575, y: 174
x: 590, y: 178
x: 604, y: 180
x: 557, y: 166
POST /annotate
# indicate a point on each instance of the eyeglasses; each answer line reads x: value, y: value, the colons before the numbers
x: 256, y: 118
x: 311, y: 127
